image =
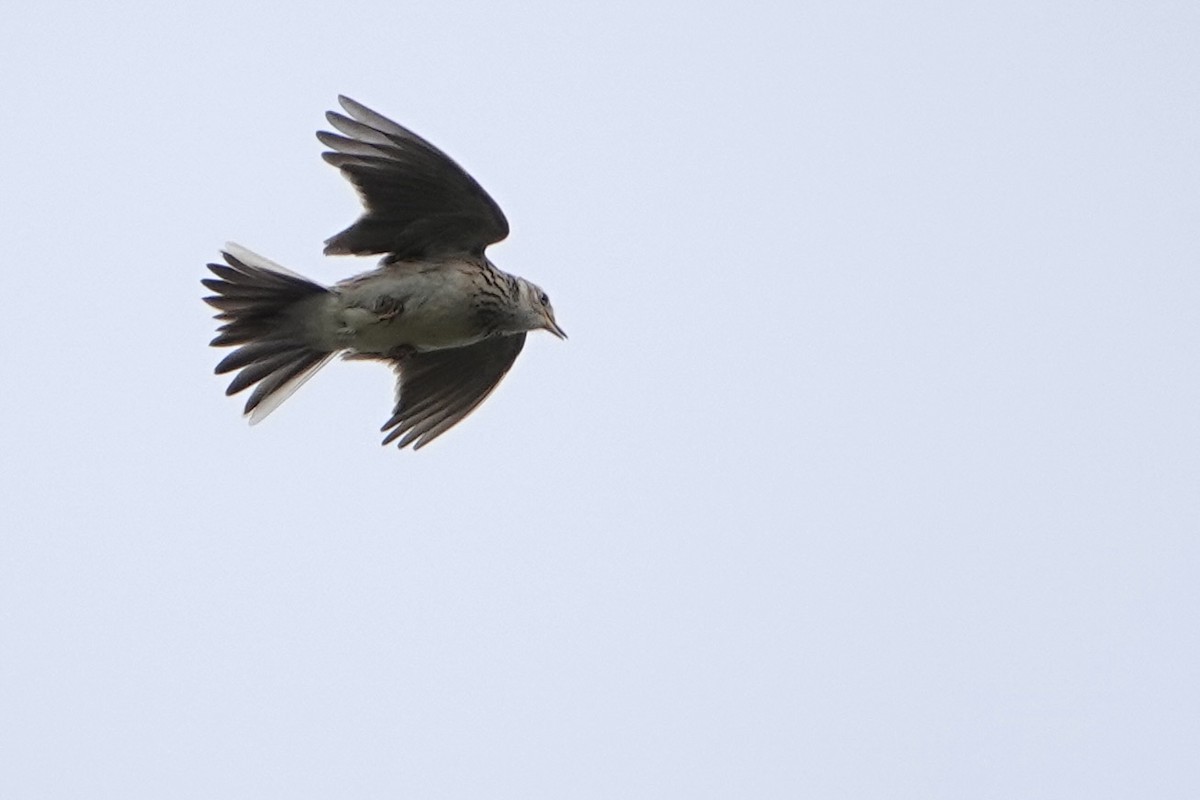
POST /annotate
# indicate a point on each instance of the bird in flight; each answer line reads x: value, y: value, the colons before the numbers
x: 436, y: 309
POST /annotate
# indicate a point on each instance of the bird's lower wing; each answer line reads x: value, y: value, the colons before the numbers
x: 436, y: 389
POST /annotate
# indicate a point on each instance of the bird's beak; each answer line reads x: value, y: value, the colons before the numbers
x: 552, y: 326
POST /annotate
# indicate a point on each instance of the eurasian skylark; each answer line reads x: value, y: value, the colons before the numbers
x: 435, y: 308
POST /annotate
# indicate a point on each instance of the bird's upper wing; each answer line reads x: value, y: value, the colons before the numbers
x: 437, y: 388
x: 417, y: 200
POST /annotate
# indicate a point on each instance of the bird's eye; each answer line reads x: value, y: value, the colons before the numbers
x: 543, y: 299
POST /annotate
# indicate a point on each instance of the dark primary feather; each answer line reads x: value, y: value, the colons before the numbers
x: 418, y: 201
x: 437, y: 389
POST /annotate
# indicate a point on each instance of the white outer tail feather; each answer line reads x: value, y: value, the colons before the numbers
x: 276, y: 398
x: 253, y: 259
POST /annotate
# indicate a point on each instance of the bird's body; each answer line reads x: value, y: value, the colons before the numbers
x: 436, y: 308
x: 422, y: 305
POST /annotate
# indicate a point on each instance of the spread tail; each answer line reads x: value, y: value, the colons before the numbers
x: 266, y: 311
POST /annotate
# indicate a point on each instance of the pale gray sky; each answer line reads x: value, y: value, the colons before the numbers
x: 871, y: 468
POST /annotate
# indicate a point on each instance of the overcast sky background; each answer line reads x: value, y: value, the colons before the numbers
x: 871, y: 467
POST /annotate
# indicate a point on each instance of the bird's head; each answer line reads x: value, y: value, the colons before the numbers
x: 538, y: 312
